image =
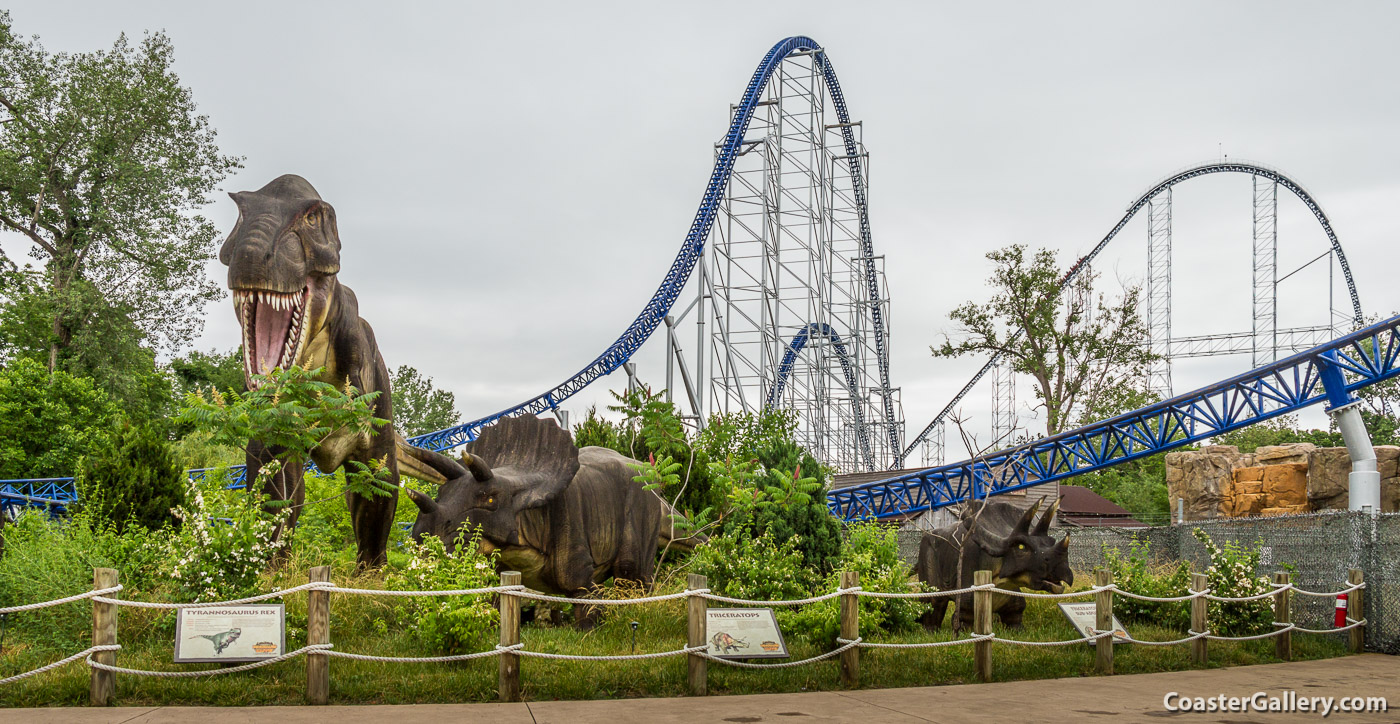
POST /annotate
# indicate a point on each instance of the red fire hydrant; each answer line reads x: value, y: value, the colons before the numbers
x: 1340, y: 619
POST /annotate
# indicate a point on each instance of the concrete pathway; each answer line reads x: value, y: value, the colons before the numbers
x: 1133, y: 698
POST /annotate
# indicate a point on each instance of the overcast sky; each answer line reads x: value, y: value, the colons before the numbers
x: 512, y: 180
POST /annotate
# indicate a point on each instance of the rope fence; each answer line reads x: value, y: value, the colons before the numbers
x: 100, y: 657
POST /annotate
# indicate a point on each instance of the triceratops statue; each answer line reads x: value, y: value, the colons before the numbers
x: 997, y: 537
x: 566, y: 519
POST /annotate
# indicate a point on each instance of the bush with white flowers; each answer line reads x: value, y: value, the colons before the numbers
x: 224, y: 542
x: 1233, y: 572
x: 451, y: 624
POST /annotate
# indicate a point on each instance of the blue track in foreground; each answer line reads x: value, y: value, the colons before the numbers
x: 1357, y: 360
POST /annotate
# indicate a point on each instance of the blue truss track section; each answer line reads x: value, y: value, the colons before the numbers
x: 55, y: 494
x: 1205, y: 169
x: 794, y: 348
x: 1363, y: 358
x: 671, y: 286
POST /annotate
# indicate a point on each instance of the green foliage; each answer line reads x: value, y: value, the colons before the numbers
x: 1282, y: 431
x: 134, y: 479
x: 418, y: 406
x: 784, y: 505
x: 871, y: 550
x: 197, y: 371
x: 294, y: 410
x: 225, y: 540
x: 103, y: 165
x: 1233, y: 573
x: 451, y: 624
x: 101, y: 343
x: 597, y: 431
x: 1076, y: 358
x: 1136, y: 573
x: 48, y: 422
x: 48, y: 558
x: 762, y: 567
x: 1139, y: 486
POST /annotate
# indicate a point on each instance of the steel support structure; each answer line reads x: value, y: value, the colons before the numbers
x: 1360, y: 359
x: 1003, y: 404
x: 1159, y: 292
x: 790, y: 322
x: 1266, y: 343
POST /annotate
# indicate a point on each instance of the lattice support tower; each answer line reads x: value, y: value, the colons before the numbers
x: 1159, y: 292
x: 1003, y: 404
x: 933, y: 449
x: 1266, y: 342
x: 783, y: 302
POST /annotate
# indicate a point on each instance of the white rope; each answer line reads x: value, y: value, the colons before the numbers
x: 1071, y: 594
x: 624, y: 657
x: 784, y: 665
x: 457, y: 592
x: 418, y: 660
x: 60, y: 601
x: 1270, y: 634
x: 313, y: 586
x: 925, y: 645
x: 208, y: 672
x: 1354, y: 623
x: 523, y: 592
x: 1239, y: 599
x: 1334, y: 594
x: 56, y: 664
x: 797, y: 602
x: 926, y: 594
x: 1085, y: 639
x: 1192, y: 637
x: 1163, y: 599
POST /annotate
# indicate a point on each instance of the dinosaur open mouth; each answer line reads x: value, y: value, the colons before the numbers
x: 274, y: 328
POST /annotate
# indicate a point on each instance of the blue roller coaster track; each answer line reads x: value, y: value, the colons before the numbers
x: 794, y: 348
x: 1206, y: 169
x: 1331, y: 372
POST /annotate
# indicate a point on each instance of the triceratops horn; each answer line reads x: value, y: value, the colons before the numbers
x: 1043, y: 527
x: 424, y: 503
x: 478, y: 467
x: 1064, y: 543
x: 1024, y: 526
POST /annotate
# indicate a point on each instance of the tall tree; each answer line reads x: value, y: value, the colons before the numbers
x: 103, y: 166
x: 419, y: 407
x: 1078, y: 349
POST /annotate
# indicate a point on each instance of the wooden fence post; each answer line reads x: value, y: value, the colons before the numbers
x: 1103, y: 621
x: 1283, y: 613
x: 850, y: 629
x: 101, y: 684
x: 1356, y: 610
x: 318, y: 631
x: 1199, y: 622
x: 510, y: 635
x: 695, y: 630
x: 982, y: 624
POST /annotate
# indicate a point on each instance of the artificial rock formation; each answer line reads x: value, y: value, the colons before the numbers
x: 1218, y: 481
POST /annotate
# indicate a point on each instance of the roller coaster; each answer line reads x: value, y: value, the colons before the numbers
x: 834, y: 338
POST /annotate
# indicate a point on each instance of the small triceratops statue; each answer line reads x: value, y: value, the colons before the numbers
x: 997, y: 537
x: 566, y: 519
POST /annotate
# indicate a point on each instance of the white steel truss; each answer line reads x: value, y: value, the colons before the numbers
x: 1159, y: 291
x: 1265, y: 337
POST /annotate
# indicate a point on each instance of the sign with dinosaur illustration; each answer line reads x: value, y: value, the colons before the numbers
x: 225, y: 634
x: 744, y: 633
x: 1084, y: 617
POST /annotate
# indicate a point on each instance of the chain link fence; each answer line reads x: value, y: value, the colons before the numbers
x: 1317, y: 548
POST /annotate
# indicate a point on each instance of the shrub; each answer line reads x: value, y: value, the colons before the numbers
x: 1232, y: 573
x: 225, y: 541
x: 133, y: 479
x: 451, y: 624
x: 756, y: 568
x: 1136, y: 573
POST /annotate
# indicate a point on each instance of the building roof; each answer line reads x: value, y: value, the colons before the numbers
x: 1082, y: 506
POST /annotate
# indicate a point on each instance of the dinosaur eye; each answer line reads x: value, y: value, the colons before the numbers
x: 312, y: 219
x: 490, y: 500
x: 1020, y: 546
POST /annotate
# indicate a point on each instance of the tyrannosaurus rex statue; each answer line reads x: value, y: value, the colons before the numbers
x: 283, y: 256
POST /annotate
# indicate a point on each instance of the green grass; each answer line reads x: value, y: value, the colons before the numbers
x: 375, y: 625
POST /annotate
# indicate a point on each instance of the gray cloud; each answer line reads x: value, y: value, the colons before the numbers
x: 512, y: 180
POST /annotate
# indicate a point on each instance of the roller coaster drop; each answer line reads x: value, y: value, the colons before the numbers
x: 1331, y: 371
